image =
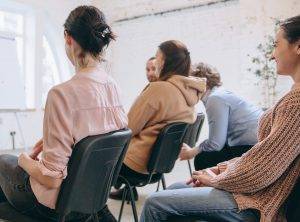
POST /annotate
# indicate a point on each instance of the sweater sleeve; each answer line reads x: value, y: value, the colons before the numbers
x: 270, y: 158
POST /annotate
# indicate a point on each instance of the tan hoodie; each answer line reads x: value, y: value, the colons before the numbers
x: 160, y: 103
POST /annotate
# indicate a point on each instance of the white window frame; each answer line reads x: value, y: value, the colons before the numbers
x: 28, y: 36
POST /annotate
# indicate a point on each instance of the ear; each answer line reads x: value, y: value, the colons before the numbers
x: 68, y: 38
x: 297, y: 44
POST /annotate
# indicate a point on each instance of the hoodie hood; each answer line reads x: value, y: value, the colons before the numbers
x: 192, y: 88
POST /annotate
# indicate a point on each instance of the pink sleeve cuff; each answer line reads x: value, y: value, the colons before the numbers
x: 52, y: 172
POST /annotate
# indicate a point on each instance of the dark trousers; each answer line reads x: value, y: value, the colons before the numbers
x: 209, y: 159
x: 15, y: 188
x: 133, y: 176
x: 130, y: 175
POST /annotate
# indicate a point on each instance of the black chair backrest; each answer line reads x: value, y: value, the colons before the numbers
x: 193, y: 131
x: 90, y: 172
x: 119, y: 164
x: 166, y: 148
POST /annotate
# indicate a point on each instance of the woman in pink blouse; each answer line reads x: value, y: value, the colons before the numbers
x: 87, y: 104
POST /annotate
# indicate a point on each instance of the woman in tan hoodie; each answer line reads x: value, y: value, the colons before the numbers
x: 170, y: 99
x: 255, y: 186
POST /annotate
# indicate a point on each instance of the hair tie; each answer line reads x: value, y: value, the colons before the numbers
x: 105, y: 32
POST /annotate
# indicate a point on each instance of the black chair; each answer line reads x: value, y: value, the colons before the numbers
x: 91, y: 170
x: 192, y: 134
x: 162, y: 160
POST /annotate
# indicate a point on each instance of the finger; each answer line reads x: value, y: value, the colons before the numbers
x: 33, y: 156
x: 182, y: 157
x: 39, y: 143
x: 38, y: 149
x: 35, y: 153
x: 200, y: 172
x: 24, y: 155
x: 196, y: 177
x: 189, y: 181
x: 197, y: 183
x: 183, y: 148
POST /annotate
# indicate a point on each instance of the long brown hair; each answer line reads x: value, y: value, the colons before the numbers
x: 176, y: 59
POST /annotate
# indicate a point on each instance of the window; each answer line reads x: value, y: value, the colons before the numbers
x: 11, y: 22
x: 40, y: 50
x: 12, y: 25
x: 17, y: 22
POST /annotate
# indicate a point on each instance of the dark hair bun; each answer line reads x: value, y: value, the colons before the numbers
x: 87, y: 25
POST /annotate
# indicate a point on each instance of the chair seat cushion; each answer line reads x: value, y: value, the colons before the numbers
x: 9, y: 214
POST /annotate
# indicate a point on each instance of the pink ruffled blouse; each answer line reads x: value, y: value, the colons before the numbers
x: 88, y: 104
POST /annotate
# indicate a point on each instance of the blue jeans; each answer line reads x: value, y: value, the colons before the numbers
x: 203, y: 203
x: 15, y: 185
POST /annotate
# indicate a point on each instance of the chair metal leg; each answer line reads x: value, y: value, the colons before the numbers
x: 123, y: 202
x: 133, y: 204
x: 158, y: 183
x: 61, y: 218
x: 190, y: 167
x: 163, y: 181
x: 128, y: 188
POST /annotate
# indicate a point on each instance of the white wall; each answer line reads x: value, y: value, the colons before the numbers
x: 139, y: 38
x: 221, y: 34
